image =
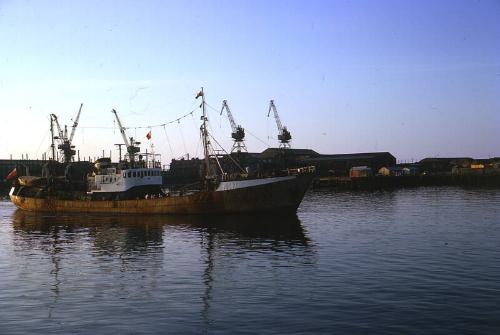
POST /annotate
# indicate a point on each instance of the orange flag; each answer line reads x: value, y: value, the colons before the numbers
x: 148, y: 135
x: 12, y: 174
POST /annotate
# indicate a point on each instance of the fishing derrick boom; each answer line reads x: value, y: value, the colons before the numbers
x: 130, y: 143
x: 284, y: 135
x: 65, y: 143
x: 238, y: 133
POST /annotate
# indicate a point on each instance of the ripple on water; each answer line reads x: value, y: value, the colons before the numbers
x: 420, y: 260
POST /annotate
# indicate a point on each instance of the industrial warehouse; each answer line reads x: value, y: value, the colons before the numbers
x: 331, y: 169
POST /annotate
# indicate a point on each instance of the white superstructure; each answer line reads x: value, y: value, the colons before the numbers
x: 123, y: 180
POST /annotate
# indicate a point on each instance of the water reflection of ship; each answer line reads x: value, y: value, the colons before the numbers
x: 219, y: 237
x: 134, y: 233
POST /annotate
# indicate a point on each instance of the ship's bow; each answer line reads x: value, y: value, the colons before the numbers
x: 280, y: 194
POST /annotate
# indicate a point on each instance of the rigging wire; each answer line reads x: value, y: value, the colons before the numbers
x: 168, y: 141
x: 206, y: 104
x: 97, y: 127
x: 210, y: 128
x: 267, y: 132
x: 227, y: 154
x: 246, y: 130
x: 145, y: 127
x: 199, y: 140
x: 43, y: 140
x: 163, y: 125
x: 182, y: 137
x: 177, y: 120
x: 208, y: 132
x: 254, y: 136
x: 218, y: 162
x: 198, y: 147
x: 194, y: 122
x: 166, y: 123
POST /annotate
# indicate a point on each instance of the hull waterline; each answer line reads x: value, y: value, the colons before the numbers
x: 282, y: 196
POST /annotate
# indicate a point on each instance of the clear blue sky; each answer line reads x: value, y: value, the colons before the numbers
x: 416, y: 78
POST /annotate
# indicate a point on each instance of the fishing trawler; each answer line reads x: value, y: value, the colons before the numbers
x: 134, y: 185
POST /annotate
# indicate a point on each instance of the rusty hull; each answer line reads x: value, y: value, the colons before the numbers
x: 283, y: 196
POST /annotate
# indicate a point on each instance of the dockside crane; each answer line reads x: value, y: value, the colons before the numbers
x: 238, y: 133
x: 65, y: 143
x: 130, y: 143
x: 284, y: 135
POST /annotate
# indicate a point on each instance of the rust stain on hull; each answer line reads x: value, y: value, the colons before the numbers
x: 281, y: 196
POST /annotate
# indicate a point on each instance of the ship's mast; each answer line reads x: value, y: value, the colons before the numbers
x: 119, y: 145
x: 204, y: 134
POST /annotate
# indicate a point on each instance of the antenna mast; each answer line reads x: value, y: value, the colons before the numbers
x: 119, y: 145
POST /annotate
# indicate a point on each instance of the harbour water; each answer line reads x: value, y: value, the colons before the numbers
x: 410, y: 261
